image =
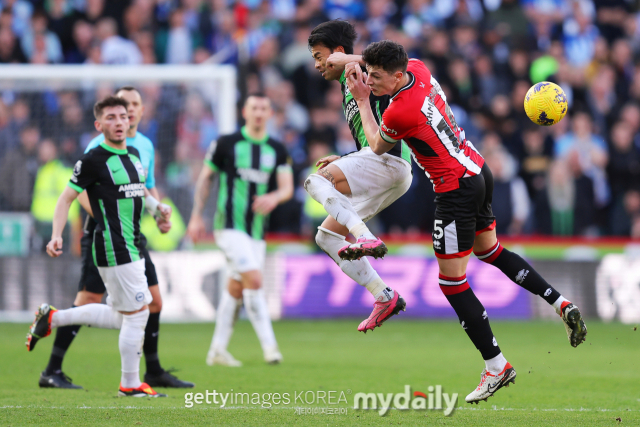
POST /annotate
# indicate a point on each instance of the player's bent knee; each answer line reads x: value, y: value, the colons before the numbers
x: 86, y: 297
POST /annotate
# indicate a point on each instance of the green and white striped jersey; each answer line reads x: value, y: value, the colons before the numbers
x: 352, y: 114
x: 115, y: 183
x: 247, y: 169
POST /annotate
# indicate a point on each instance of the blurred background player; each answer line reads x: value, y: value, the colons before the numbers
x: 255, y: 176
x: 356, y: 187
x: 114, y: 179
x: 419, y: 114
x: 91, y: 287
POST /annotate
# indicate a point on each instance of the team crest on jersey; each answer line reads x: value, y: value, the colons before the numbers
x: 76, y: 171
x: 139, y: 168
x: 267, y: 160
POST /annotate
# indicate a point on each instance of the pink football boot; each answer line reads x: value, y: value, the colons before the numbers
x: 363, y: 247
x: 383, y: 311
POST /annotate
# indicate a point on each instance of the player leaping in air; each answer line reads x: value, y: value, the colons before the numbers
x: 464, y: 222
x: 356, y: 187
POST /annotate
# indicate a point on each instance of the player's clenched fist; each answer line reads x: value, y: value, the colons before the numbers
x: 356, y: 79
x: 196, y: 229
x: 164, y: 211
x: 54, y: 247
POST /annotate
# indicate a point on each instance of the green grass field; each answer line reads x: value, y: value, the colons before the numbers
x: 556, y: 384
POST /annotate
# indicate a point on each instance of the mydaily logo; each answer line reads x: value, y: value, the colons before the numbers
x: 432, y: 400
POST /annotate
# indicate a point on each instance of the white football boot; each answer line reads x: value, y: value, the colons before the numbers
x: 490, y: 383
x: 272, y: 355
x: 223, y: 358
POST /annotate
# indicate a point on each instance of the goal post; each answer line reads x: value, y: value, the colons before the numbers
x: 217, y: 82
x: 186, y: 106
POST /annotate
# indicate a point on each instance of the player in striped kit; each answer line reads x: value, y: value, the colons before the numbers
x: 114, y: 178
x: 357, y: 186
x: 255, y: 176
x: 419, y: 115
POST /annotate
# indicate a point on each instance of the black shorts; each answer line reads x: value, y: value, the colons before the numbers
x: 462, y: 214
x: 90, y: 279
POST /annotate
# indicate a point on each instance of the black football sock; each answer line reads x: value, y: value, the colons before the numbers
x: 472, y: 315
x: 519, y: 271
x: 64, y: 338
x: 150, y: 347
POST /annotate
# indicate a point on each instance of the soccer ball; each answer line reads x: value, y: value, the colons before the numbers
x: 545, y: 103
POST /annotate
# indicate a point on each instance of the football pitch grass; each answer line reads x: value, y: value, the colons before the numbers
x: 593, y: 384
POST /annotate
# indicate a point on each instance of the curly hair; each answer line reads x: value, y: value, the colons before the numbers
x: 109, y: 101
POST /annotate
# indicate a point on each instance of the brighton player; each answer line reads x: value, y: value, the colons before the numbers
x: 91, y: 287
x: 464, y: 222
x: 255, y: 176
x: 114, y: 179
x: 356, y: 187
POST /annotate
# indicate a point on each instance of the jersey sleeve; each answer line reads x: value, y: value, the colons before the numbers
x: 215, y: 155
x: 151, y: 174
x: 84, y: 174
x: 394, y: 126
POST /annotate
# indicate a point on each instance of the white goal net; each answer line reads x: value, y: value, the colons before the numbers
x: 46, y: 122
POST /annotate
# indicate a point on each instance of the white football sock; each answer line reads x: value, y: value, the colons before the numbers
x: 334, y: 202
x: 359, y: 270
x: 557, y: 305
x: 386, y: 294
x: 361, y: 230
x: 255, y: 305
x: 96, y: 315
x: 130, y: 343
x: 496, y: 364
x: 225, y: 319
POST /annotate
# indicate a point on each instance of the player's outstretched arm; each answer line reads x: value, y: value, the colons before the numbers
x: 360, y: 91
x: 196, y: 229
x: 60, y: 216
x: 268, y: 202
x: 340, y: 60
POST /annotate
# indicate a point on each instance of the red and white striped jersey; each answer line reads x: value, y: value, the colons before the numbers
x: 419, y: 115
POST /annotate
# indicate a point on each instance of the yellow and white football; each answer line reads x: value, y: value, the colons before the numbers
x: 545, y: 103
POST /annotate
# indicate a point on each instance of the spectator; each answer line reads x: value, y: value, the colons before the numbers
x: 580, y: 36
x: 114, y: 49
x: 21, y: 11
x: 51, y: 179
x: 196, y: 127
x: 18, y: 171
x: 511, y: 204
x: 590, y: 151
x: 13, y: 119
x: 38, y: 33
x: 10, y: 50
x: 179, y: 42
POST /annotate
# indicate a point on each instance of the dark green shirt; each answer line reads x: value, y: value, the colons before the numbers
x: 247, y: 169
x: 352, y: 114
x: 115, y: 183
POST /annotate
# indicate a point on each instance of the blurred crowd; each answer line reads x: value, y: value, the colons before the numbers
x: 580, y: 177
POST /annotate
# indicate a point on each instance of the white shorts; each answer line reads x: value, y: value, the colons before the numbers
x: 126, y: 285
x: 243, y: 252
x: 375, y: 181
